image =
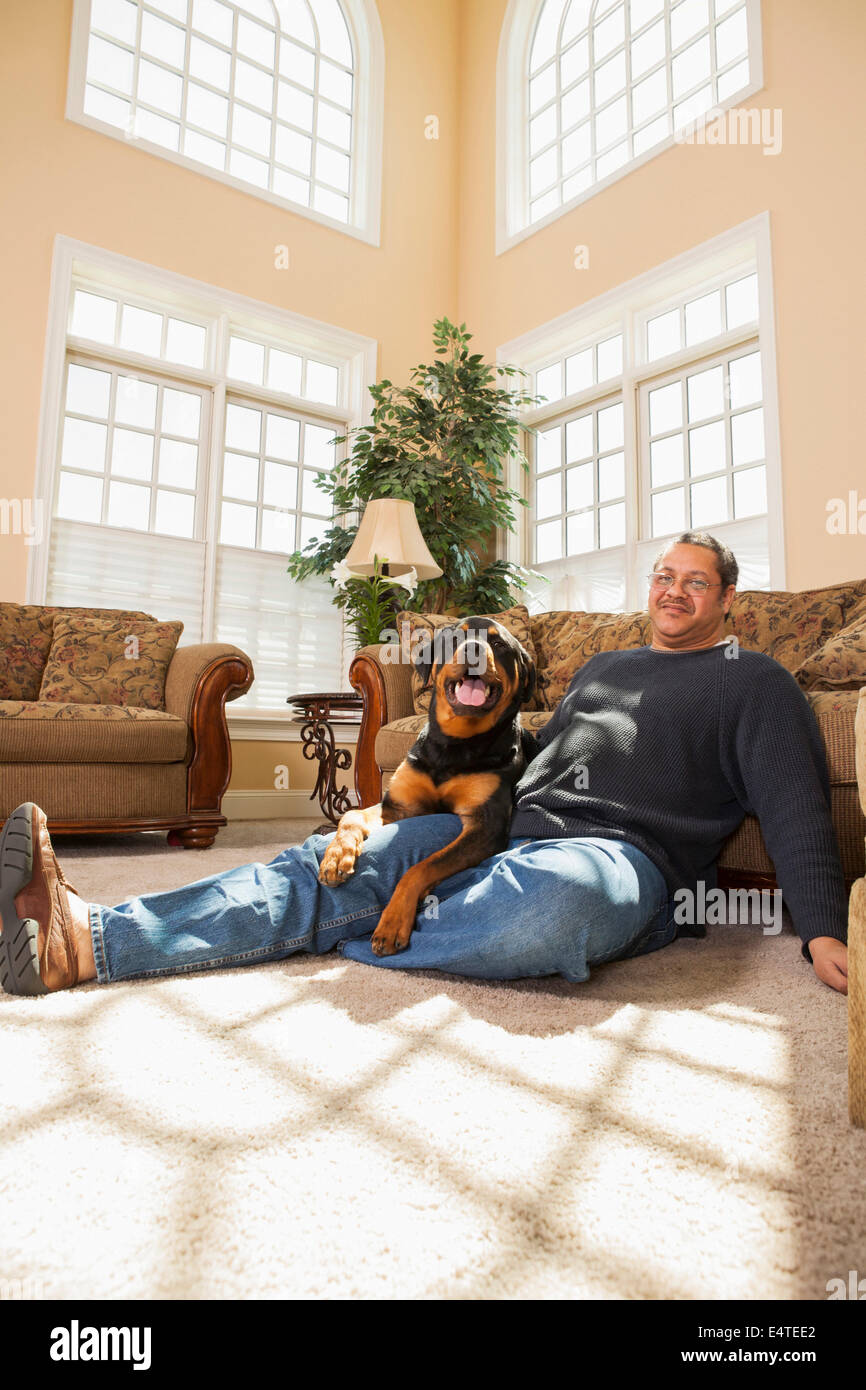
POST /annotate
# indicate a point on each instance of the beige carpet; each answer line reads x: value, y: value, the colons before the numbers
x: 674, y: 1129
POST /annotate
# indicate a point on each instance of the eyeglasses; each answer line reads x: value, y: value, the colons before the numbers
x: 691, y: 586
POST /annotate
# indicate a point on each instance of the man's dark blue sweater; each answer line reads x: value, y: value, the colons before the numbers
x: 678, y: 747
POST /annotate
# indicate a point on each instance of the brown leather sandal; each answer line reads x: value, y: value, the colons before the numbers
x: 28, y: 864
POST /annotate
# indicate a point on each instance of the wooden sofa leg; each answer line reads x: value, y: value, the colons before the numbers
x: 194, y: 836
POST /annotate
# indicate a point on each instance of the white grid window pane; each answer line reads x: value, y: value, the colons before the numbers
x: 706, y: 394
x: 237, y: 525
x: 666, y: 461
x: 745, y: 379
x: 79, y: 498
x: 668, y: 511
x: 83, y: 445
x: 548, y: 496
x: 163, y: 40
x: 611, y: 477
x: 633, y: 72
x: 246, y: 360
x: 741, y: 300
x: 703, y: 318
x: 278, y: 530
x: 579, y: 489
x: 548, y: 541
x: 747, y: 437
x: 115, y: 17
x: 109, y: 64
x: 243, y: 428
x: 160, y: 88
x: 88, y: 391
x: 611, y: 525
x: 281, y: 485
x: 579, y: 438
x: 181, y: 413
x: 323, y: 382
x: 93, y: 316
x: 135, y: 402
x: 579, y: 371
x: 548, y: 447
x: 185, y: 343
x: 178, y: 463
x: 241, y: 477
x: 192, y: 78
x: 750, y: 492
x: 663, y: 334
x: 709, y: 502
x: 129, y: 506
x: 175, y: 513
x: 707, y: 448
x: 666, y: 408
x: 284, y: 371
x: 579, y: 534
x: 141, y: 330
x: 132, y: 454
x: 282, y: 437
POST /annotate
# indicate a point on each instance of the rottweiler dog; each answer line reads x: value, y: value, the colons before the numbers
x: 466, y: 760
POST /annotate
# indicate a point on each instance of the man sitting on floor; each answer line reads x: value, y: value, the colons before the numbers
x: 651, y: 760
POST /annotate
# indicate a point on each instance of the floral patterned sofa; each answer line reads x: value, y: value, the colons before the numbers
x: 818, y: 635
x: 109, y: 726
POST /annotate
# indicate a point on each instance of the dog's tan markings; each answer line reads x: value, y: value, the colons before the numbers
x: 414, y: 792
x: 468, y: 791
x: 338, y: 861
x: 410, y: 793
x: 398, y: 919
x: 465, y: 725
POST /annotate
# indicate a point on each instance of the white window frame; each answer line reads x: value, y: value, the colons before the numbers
x: 629, y: 304
x: 365, y: 203
x: 512, y: 123
x: 75, y: 260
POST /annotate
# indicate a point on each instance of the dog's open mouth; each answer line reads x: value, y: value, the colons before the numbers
x: 472, y: 692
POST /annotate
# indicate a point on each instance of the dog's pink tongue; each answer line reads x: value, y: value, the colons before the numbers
x: 472, y: 691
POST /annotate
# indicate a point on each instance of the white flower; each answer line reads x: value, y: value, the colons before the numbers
x: 342, y: 573
x: 409, y: 580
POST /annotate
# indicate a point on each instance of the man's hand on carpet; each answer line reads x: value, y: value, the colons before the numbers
x: 830, y: 960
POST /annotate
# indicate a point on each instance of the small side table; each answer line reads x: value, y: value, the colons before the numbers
x: 320, y: 713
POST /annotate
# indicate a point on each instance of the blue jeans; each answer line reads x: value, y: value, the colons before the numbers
x: 541, y: 907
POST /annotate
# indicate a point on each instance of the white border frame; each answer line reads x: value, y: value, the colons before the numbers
x: 365, y: 206
x: 74, y: 258
x: 512, y: 124
x: 748, y: 240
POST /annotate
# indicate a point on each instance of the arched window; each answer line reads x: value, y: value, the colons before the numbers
x: 275, y: 96
x: 590, y: 88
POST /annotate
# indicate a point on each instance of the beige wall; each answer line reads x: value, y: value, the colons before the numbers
x: 815, y: 191
x: 438, y: 245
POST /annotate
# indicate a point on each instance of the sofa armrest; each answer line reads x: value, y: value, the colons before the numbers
x: 386, y: 689
x: 205, y: 666
x: 199, y: 682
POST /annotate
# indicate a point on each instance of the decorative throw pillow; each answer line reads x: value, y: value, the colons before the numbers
x: 25, y: 641
x: 841, y: 663
x: 109, y: 661
x: 791, y: 628
x: 514, y: 620
x: 565, y: 641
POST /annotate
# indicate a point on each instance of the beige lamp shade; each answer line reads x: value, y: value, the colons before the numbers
x: 389, y: 528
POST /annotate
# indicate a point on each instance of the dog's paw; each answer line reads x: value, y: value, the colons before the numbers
x: 338, y: 862
x: 391, y: 935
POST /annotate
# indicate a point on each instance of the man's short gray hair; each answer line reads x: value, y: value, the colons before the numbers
x: 725, y: 562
